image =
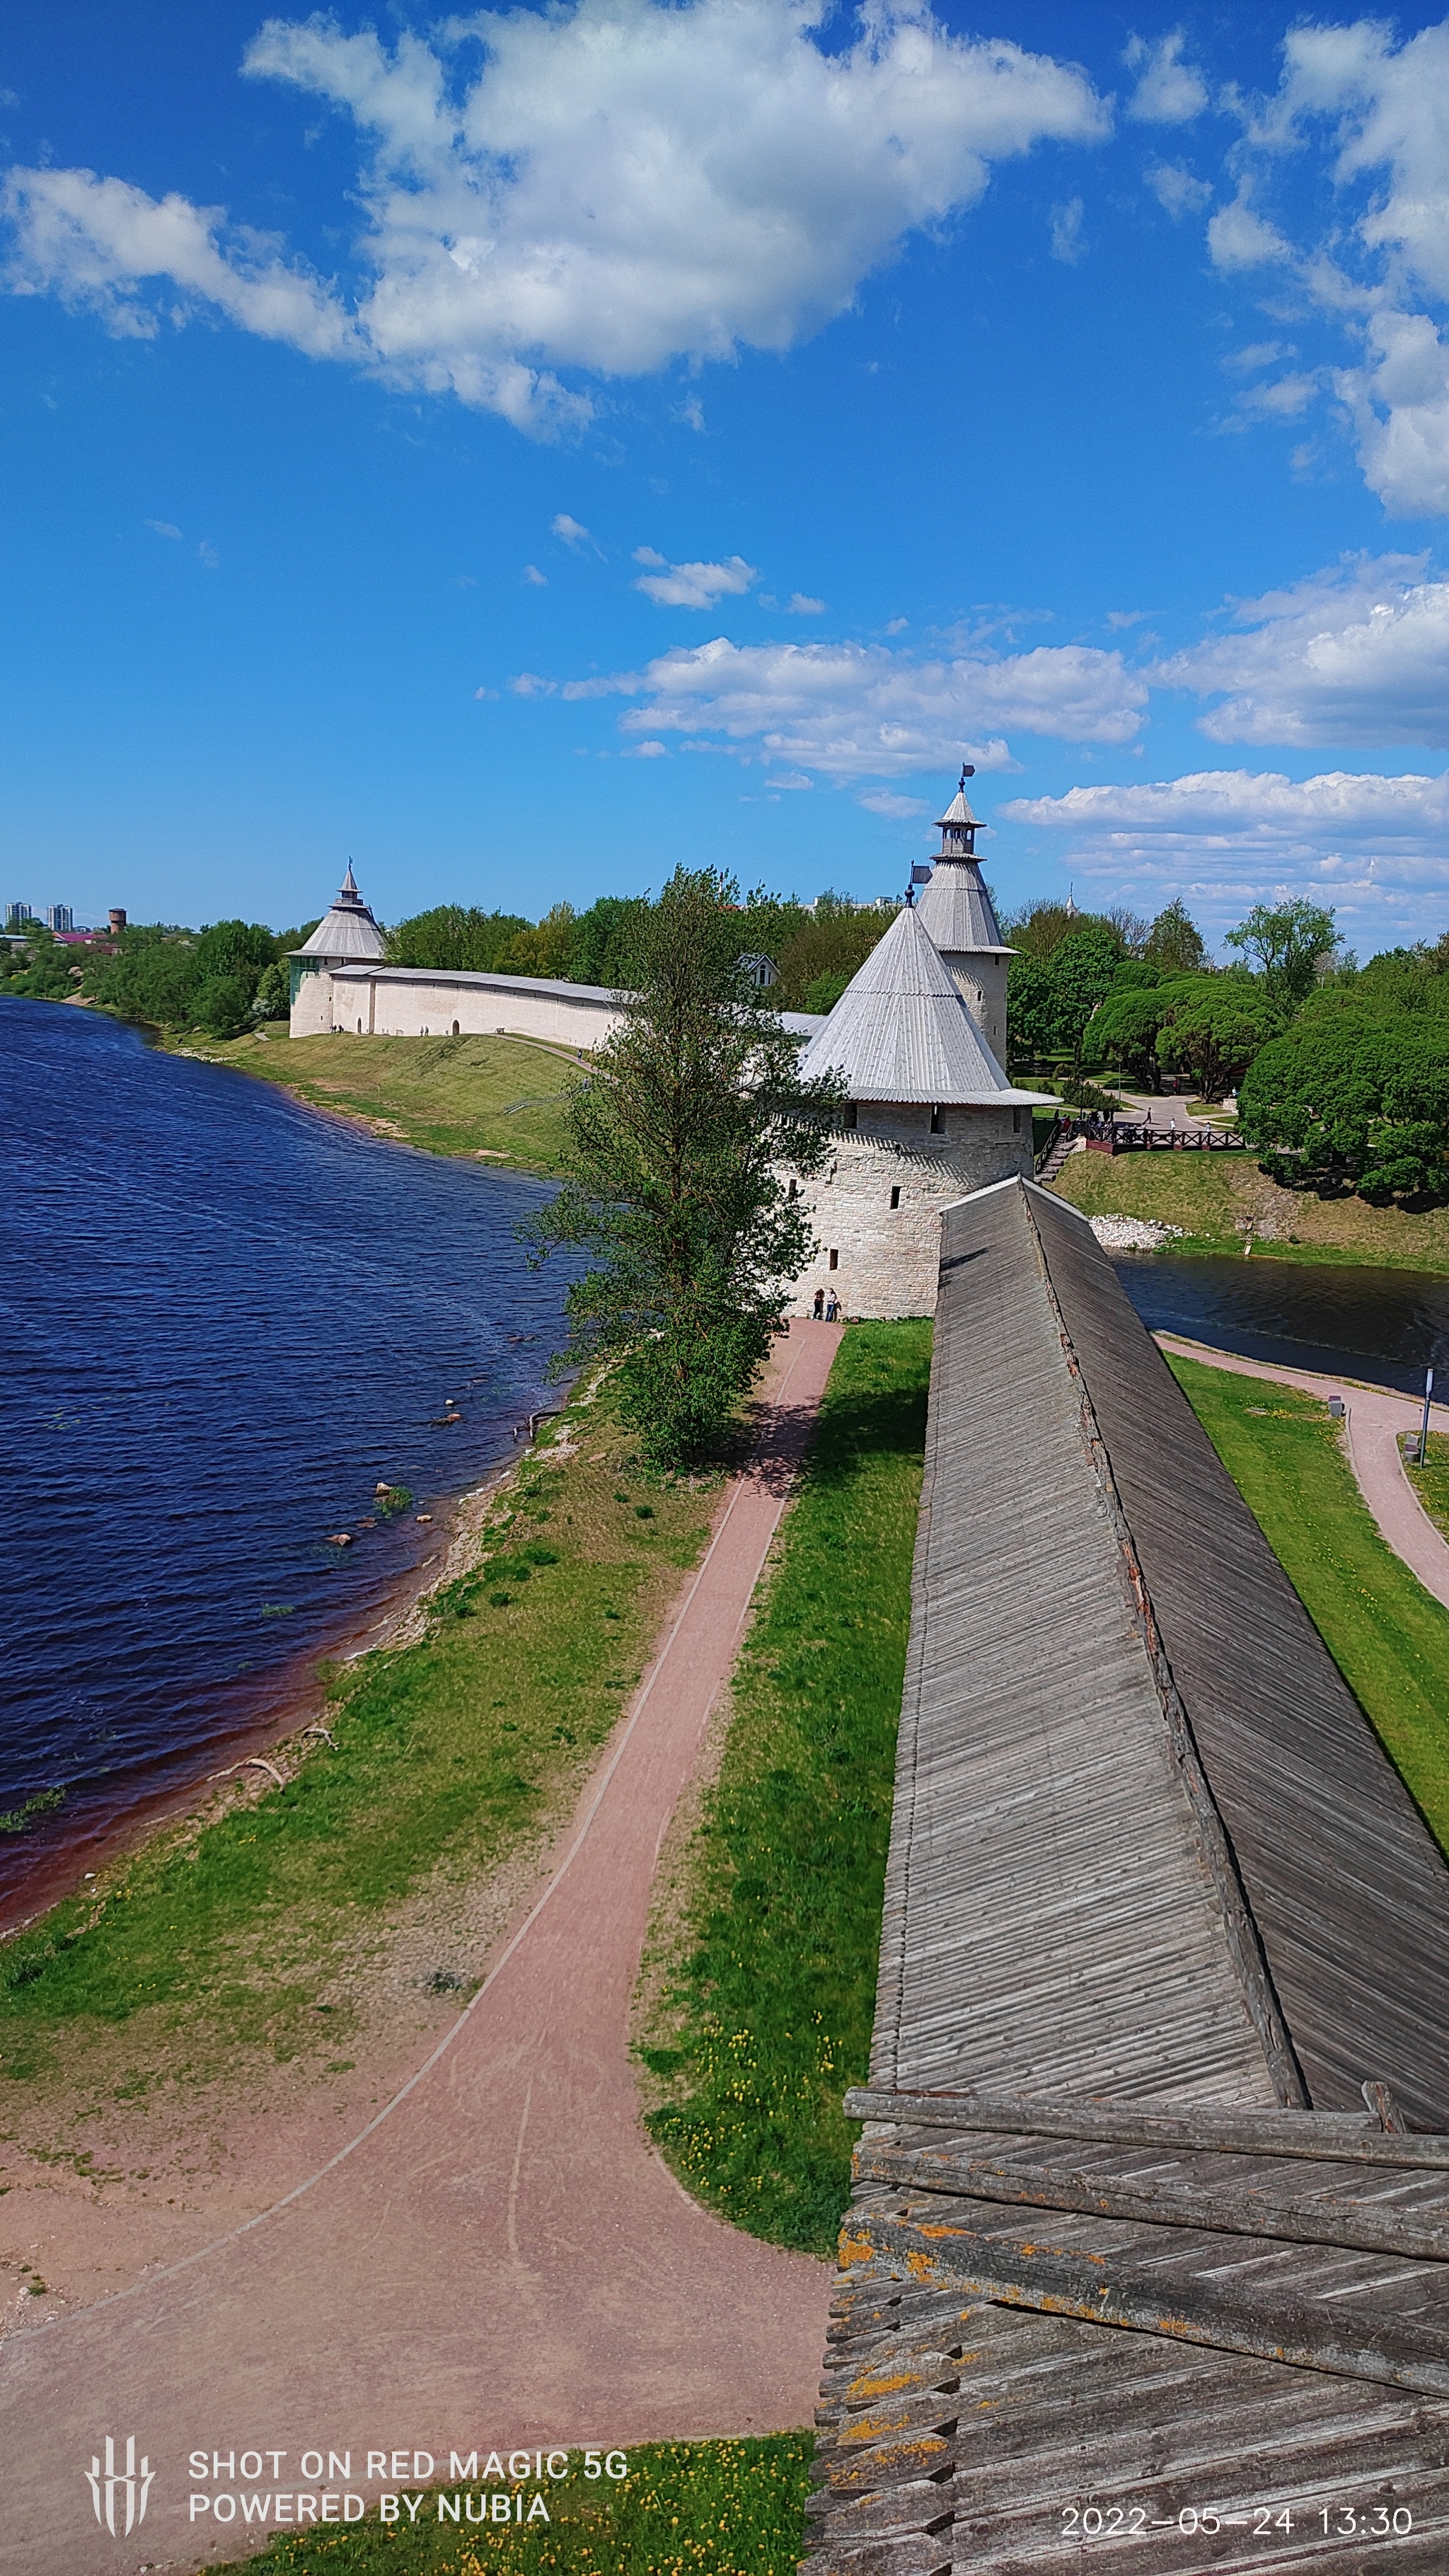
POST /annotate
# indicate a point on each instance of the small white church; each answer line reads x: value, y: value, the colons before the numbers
x: 918, y: 1036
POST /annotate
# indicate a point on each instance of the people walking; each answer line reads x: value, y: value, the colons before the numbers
x: 819, y: 1304
x: 832, y: 1311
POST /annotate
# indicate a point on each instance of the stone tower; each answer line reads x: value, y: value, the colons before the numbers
x: 347, y: 935
x: 956, y: 910
x: 930, y: 1116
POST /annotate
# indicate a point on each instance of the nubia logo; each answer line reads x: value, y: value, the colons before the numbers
x: 120, y: 2490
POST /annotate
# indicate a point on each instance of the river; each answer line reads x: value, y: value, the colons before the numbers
x: 226, y: 1318
x: 1346, y: 1320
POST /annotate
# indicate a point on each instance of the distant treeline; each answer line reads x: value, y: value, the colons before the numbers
x: 222, y: 979
x: 815, y: 951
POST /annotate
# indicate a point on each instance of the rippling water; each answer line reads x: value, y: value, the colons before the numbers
x: 224, y: 1319
x: 1382, y: 1325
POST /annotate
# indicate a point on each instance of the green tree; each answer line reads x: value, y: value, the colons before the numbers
x: 1354, y: 1097
x: 152, y: 977
x: 235, y: 951
x: 39, y: 972
x: 546, y: 949
x: 682, y: 1134
x: 1175, y: 942
x: 1123, y: 1030
x: 1289, y: 941
x: 222, y: 1005
x: 834, y: 940
x: 272, y: 999
x: 462, y: 942
x: 1213, y: 1026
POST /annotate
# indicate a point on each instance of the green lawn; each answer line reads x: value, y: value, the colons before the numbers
x: 1431, y: 1482
x: 1388, y: 1636
x: 503, y: 1097
x: 447, y: 1754
x: 767, y: 2016
x: 1211, y: 1196
x: 684, y: 2509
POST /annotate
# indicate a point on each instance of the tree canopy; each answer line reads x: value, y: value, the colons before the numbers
x: 1292, y: 944
x: 1354, y: 1094
x: 682, y: 1134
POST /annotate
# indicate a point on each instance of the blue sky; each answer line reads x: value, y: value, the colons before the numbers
x: 522, y: 450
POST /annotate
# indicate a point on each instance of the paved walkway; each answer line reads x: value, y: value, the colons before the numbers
x: 1376, y: 1417
x: 499, y: 2260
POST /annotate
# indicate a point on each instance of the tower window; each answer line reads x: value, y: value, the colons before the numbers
x: 851, y: 1116
x: 936, y: 1122
x: 895, y: 1198
x: 1016, y: 1122
x: 835, y: 1261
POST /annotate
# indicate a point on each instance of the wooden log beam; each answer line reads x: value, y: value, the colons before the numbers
x: 1239, y: 2207
x: 1343, y: 2135
x: 1346, y: 2342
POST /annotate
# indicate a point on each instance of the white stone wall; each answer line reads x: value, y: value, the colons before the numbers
x: 888, y: 1258
x: 981, y: 982
x: 410, y: 1002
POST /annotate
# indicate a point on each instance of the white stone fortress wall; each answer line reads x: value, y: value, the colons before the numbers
x: 414, y: 1002
x: 887, y: 1255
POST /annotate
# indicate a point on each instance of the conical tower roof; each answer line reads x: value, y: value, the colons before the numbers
x: 900, y: 1031
x: 955, y: 905
x: 348, y: 931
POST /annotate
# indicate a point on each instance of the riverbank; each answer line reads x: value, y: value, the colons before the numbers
x: 498, y: 1100
x: 179, y: 2042
x: 1216, y: 1198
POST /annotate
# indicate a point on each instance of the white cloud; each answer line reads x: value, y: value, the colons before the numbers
x: 572, y: 532
x: 692, y: 585
x: 1067, y: 242
x: 862, y: 711
x: 1378, y: 109
x: 1372, y: 847
x: 161, y: 527
x: 207, y: 555
x: 617, y: 185
x: 646, y: 751
x: 1237, y: 238
x: 897, y: 809
x: 1176, y: 190
x: 1169, y: 91
x: 537, y: 580
x: 99, y: 243
x: 1359, y: 654
x: 802, y: 605
x: 530, y: 684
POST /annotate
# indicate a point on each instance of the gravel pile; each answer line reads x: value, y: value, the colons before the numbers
x: 1133, y: 1233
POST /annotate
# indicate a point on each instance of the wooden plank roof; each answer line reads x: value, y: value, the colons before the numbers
x: 1153, y: 1879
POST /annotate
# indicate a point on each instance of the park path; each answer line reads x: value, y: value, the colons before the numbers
x: 1376, y: 1417
x: 500, y: 2260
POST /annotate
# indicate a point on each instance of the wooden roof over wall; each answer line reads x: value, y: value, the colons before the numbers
x: 1157, y: 1907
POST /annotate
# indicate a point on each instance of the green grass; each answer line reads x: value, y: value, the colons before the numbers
x: 767, y: 2015
x: 501, y: 1098
x: 447, y: 1754
x: 684, y: 2509
x: 1211, y: 1196
x: 1431, y: 1482
x: 1387, y: 1635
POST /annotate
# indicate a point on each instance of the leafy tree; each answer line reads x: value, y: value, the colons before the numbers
x: 1124, y: 1029
x: 834, y: 940
x: 272, y: 999
x: 1134, y: 973
x: 825, y: 992
x: 1213, y: 1026
x: 681, y: 1134
x: 605, y: 942
x: 462, y: 942
x: 222, y: 1005
x: 1355, y: 1095
x: 1051, y: 993
x: 546, y: 949
x: 152, y: 978
x: 1288, y: 941
x: 1175, y: 943
x: 235, y: 951
x: 39, y: 972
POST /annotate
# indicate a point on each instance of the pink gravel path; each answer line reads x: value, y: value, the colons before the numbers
x: 500, y: 2259
x: 1376, y: 1417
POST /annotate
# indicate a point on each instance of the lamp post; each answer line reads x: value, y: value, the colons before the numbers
x: 1423, y: 1459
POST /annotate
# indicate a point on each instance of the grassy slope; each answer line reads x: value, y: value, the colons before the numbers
x: 685, y: 2509
x: 447, y: 1095
x: 768, y: 2014
x: 1431, y: 1483
x: 1211, y: 1195
x: 1388, y: 1636
x: 448, y: 1754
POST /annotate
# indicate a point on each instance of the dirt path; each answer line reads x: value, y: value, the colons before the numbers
x: 1376, y: 1417
x: 499, y: 2260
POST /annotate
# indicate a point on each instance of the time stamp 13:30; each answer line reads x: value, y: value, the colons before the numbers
x: 1267, y: 2522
